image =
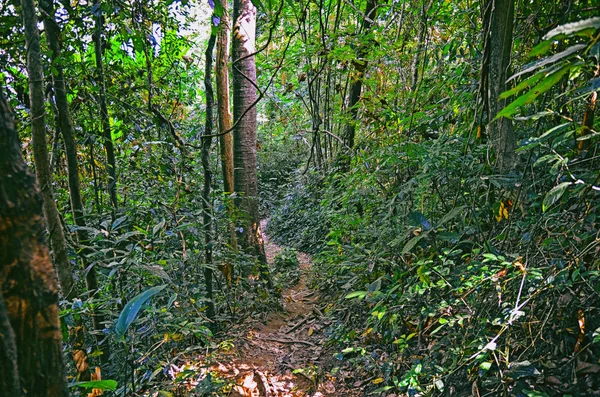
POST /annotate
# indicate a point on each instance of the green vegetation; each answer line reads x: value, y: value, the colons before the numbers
x: 439, y: 159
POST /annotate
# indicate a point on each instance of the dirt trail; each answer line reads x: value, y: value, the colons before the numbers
x: 267, y: 355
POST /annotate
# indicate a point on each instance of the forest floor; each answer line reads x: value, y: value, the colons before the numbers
x: 284, y: 355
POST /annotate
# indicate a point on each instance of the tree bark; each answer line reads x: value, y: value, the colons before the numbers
x: 357, y: 79
x: 9, y: 367
x: 414, y: 69
x: 29, y: 292
x: 244, y: 134
x: 224, y: 115
x: 40, y: 148
x: 66, y: 126
x: 499, y: 37
x: 206, y: 207
x: 108, y: 143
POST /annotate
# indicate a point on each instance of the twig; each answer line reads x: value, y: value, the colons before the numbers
x: 295, y: 327
x: 288, y: 341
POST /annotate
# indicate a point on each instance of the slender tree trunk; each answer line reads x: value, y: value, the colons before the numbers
x: 226, y: 141
x: 414, y: 68
x: 206, y: 207
x: 108, y: 143
x: 499, y: 35
x: 357, y: 78
x: 29, y: 293
x: 40, y: 148
x: 66, y: 126
x: 244, y: 149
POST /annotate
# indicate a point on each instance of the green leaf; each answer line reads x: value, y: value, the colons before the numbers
x: 554, y: 195
x: 450, y: 215
x: 542, y: 48
x: 132, y: 308
x: 357, y: 294
x: 259, y: 4
x: 485, y: 366
x: 107, y: 384
x: 158, y: 227
x: 411, y: 243
x: 555, y: 129
x: 592, y: 85
x: 587, y: 25
x: 547, y: 61
x: 596, y: 335
x: 543, y: 86
x: 522, y: 85
x: 534, y: 393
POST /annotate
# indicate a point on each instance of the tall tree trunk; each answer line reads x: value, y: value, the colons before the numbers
x: 29, y: 293
x: 108, y: 143
x: 206, y: 207
x: 414, y: 68
x: 66, y: 126
x: 40, y: 148
x: 225, y: 141
x: 244, y: 145
x: 357, y: 79
x: 499, y: 44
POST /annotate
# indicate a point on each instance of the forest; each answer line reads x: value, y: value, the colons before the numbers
x: 285, y: 198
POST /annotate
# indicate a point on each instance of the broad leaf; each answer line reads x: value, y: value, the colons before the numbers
x: 107, y: 384
x: 357, y: 294
x: 550, y: 60
x: 132, y: 308
x: 522, y: 85
x: 543, y: 86
x: 450, y: 215
x: 574, y: 27
x: 411, y: 243
x: 554, y: 195
x: 592, y: 85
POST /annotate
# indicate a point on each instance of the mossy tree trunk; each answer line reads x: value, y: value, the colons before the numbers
x: 31, y: 339
x: 40, y: 148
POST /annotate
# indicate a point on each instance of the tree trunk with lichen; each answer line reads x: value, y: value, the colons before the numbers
x: 206, y: 204
x: 52, y: 31
x: 498, y: 36
x: 224, y: 116
x: 244, y: 134
x: 358, y: 74
x: 40, y: 149
x: 109, y: 148
x: 30, y: 335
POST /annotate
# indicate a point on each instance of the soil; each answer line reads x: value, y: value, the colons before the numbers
x: 284, y: 355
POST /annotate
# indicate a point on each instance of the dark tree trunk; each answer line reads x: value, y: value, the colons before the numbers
x: 40, y: 148
x: 9, y: 367
x: 414, y: 68
x: 225, y: 141
x: 29, y: 292
x: 357, y: 78
x: 206, y: 207
x: 66, y: 127
x: 108, y: 143
x: 244, y: 150
x: 498, y: 45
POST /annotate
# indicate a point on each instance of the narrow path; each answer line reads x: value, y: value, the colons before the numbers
x: 282, y: 357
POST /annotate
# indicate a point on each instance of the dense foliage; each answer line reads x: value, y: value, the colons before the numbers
x: 447, y: 275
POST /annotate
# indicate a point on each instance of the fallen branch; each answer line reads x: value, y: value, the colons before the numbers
x: 288, y: 341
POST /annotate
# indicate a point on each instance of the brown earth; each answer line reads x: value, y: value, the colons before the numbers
x: 282, y: 356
